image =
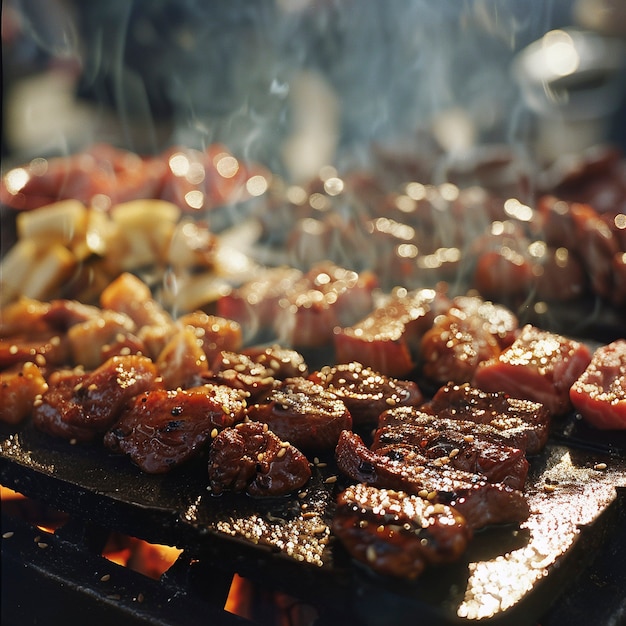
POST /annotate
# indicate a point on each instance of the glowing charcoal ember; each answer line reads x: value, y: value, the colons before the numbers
x: 365, y: 392
x: 388, y: 339
x: 251, y: 458
x: 396, y: 534
x: 539, y: 365
x: 599, y: 394
x: 160, y: 429
x: 481, y: 503
x: 304, y: 413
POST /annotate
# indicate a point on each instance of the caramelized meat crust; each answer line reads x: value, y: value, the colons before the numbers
x: 251, y: 458
x: 160, y: 429
x: 366, y: 392
x: 398, y: 534
x: 304, y: 413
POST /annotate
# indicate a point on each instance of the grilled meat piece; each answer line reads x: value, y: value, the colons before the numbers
x: 599, y: 395
x: 304, y: 413
x: 49, y: 348
x: 280, y: 362
x: 83, y: 406
x: 161, y: 429
x: 251, y: 458
x: 539, y: 365
x: 365, y: 392
x: 20, y: 386
x: 213, y: 333
x: 470, y: 332
x: 397, y: 534
x: 388, y: 339
x: 241, y: 372
x: 479, y: 449
x: 480, y: 502
x: 522, y: 423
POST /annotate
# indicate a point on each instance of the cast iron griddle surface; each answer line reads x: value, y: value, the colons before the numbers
x: 510, y: 574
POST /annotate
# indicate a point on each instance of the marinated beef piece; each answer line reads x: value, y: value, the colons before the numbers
x: 540, y: 366
x: 254, y: 304
x: 213, y: 333
x: 25, y: 315
x: 304, y: 413
x: 240, y: 372
x: 388, y: 339
x: 251, y: 458
x: 523, y: 423
x: 280, y: 362
x: 328, y: 296
x: 160, y: 429
x: 443, y: 443
x: 83, y: 406
x: 599, y: 395
x: 365, y: 392
x: 470, y: 332
x: 480, y: 502
x: 44, y: 348
x: 396, y: 534
x: 20, y: 387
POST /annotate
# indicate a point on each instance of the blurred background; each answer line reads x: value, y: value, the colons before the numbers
x: 297, y: 84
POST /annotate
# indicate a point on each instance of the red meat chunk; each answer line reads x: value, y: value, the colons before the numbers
x: 540, y: 366
x: 599, y: 395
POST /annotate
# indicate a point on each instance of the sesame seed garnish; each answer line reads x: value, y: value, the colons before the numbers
x: 73, y: 441
x: 42, y: 545
x: 40, y: 360
x: 390, y: 401
x: 37, y: 539
x: 422, y: 493
x: 13, y: 349
x: 260, y: 456
x: 549, y: 488
x: 600, y: 466
x: 105, y: 578
x: 140, y: 598
x: 330, y: 480
x: 281, y: 453
x: 8, y: 534
x: 214, y: 433
x: 453, y: 453
x: 370, y: 553
x: 469, y: 438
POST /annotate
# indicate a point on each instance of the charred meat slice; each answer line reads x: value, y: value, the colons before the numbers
x: 523, y: 423
x: 481, y: 503
x: 599, y: 395
x: 304, y: 413
x: 251, y: 458
x: 388, y: 339
x: 365, y: 392
x: 83, y: 406
x: 443, y: 442
x: 539, y: 365
x: 161, y: 429
x: 397, y: 534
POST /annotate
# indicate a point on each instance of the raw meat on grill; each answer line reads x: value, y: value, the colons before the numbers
x: 470, y: 332
x: 480, y: 450
x: 388, y: 339
x: 83, y: 406
x: 251, y: 458
x: 280, y: 362
x: 160, y: 429
x: 303, y: 413
x: 523, y: 423
x: 20, y: 386
x: 397, y: 534
x: 365, y: 392
x: 599, y: 395
x: 539, y: 365
x: 481, y: 503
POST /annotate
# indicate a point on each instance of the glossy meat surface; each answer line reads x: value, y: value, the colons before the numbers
x: 161, y: 429
x: 397, y: 534
x: 304, y: 413
x: 251, y: 458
